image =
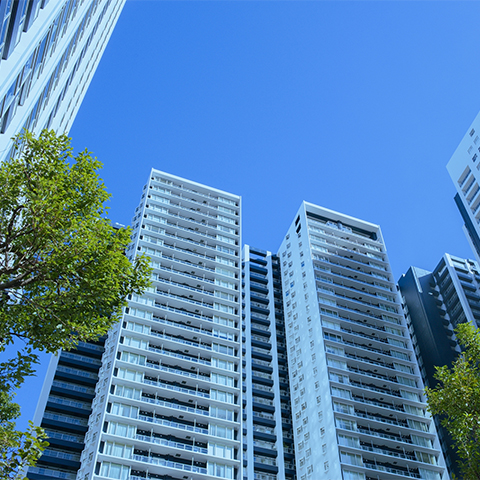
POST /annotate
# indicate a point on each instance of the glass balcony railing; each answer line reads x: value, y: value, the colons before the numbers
x: 50, y: 472
x: 182, y: 408
x: 167, y: 463
x: 169, y: 353
x: 168, y: 443
x: 396, y: 471
x: 168, y: 423
x: 175, y: 388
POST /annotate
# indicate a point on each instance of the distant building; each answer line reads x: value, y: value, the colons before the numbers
x: 63, y: 410
x: 49, y: 51
x: 267, y: 414
x: 463, y: 168
x: 435, y: 303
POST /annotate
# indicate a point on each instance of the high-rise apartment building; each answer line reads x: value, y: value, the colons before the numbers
x: 268, y: 452
x: 168, y: 402
x: 435, y: 303
x: 356, y: 390
x: 256, y: 366
x: 63, y: 410
x: 49, y: 51
x: 463, y: 168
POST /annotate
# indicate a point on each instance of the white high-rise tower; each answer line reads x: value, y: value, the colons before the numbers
x: 357, y: 403
x: 168, y: 402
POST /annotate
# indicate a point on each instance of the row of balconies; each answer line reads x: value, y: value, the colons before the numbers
x: 351, y: 237
x: 193, y: 218
x: 365, y: 275
x: 202, y: 243
x: 183, y: 188
x: 338, y: 339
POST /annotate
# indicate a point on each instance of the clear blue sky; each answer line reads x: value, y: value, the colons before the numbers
x: 355, y: 106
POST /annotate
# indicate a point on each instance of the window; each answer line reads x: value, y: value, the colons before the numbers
x: 343, y: 408
x: 115, y: 470
x: 222, y: 396
x: 223, y: 321
x: 124, y: 410
x: 349, y: 475
x: 341, y: 392
x: 133, y: 358
x: 135, y: 342
x: 222, y: 413
x: 118, y: 450
x: 130, y: 374
x: 348, y: 441
x: 222, y: 379
x: 221, y: 431
x: 216, y: 347
x: 128, y: 392
x: 219, y: 450
x: 224, y: 364
x: 346, y: 424
x: 121, y: 429
x: 351, y: 459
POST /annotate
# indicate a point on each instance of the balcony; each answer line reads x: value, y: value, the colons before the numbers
x: 176, y: 354
x: 172, y: 424
x: 386, y: 468
x: 175, y: 405
x: 167, y: 463
x: 176, y: 388
x: 390, y: 452
x: 168, y: 443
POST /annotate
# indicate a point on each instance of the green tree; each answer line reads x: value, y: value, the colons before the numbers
x: 456, y: 399
x: 64, y: 276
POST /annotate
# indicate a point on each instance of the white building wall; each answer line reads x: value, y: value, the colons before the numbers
x: 27, y: 99
x: 357, y: 401
x: 169, y: 395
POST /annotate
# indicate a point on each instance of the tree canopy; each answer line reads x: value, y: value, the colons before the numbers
x: 64, y: 275
x: 456, y: 399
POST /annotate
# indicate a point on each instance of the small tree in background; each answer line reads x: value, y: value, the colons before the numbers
x: 64, y: 276
x: 457, y: 400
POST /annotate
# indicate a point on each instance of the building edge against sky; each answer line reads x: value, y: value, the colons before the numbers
x: 49, y: 51
x: 463, y: 168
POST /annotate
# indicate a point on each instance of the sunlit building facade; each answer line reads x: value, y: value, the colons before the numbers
x: 168, y: 403
x: 356, y: 391
x: 49, y: 51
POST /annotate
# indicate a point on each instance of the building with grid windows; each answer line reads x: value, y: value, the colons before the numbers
x: 63, y: 410
x: 435, y: 303
x: 268, y: 452
x: 356, y: 390
x: 168, y: 403
x: 252, y: 365
x: 49, y: 51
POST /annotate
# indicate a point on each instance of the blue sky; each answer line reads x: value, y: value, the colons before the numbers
x: 355, y: 106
